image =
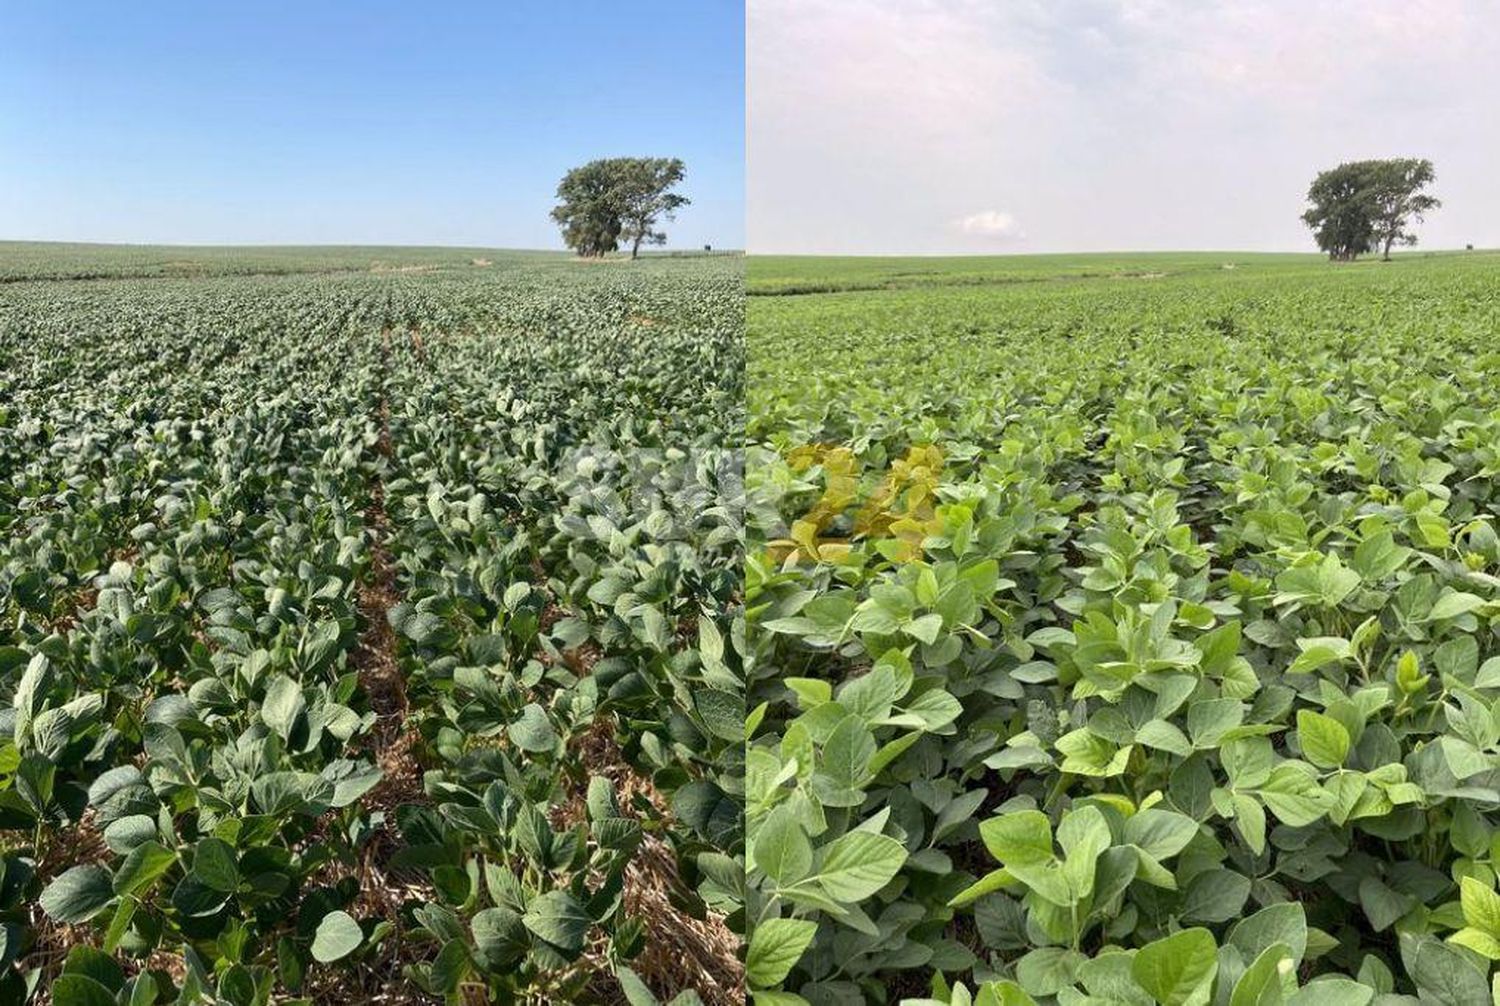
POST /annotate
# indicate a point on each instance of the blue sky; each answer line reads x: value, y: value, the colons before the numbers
x: 372, y: 122
x: 956, y: 126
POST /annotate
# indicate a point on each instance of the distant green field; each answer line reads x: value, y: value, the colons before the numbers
x: 799, y: 274
x: 1125, y: 628
x: 26, y: 260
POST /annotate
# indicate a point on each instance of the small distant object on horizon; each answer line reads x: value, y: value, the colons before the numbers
x: 1469, y: 247
x: 711, y: 247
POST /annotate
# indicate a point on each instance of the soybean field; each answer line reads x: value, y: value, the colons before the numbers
x: 370, y: 627
x: 1123, y: 630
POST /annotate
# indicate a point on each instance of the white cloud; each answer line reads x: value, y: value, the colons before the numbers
x: 991, y: 224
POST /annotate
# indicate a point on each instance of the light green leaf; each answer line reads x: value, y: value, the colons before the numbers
x: 1332, y: 990
x: 775, y: 947
x: 1478, y: 941
x: 781, y: 847
x: 1046, y: 971
x: 1284, y: 923
x: 1164, y: 736
x: 1294, y: 796
x: 1086, y: 753
x: 337, y: 936
x: 282, y: 705
x: 1481, y: 905
x: 1020, y: 837
x: 856, y: 865
x: 1260, y: 985
x: 1160, y: 833
x: 1453, y: 604
x: 1179, y: 969
x: 1324, y: 739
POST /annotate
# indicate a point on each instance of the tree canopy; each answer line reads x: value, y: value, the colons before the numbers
x: 619, y: 199
x: 1362, y: 206
x: 589, y: 213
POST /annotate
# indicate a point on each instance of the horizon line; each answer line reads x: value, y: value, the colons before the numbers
x: 1408, y: 252
x: 339, y: 244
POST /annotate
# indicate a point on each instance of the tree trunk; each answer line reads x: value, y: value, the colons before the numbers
x: 635, y: 247
x: 1386, y: 255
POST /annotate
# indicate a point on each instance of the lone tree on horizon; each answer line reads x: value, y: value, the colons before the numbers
x: 1362, y: 206
x: 617, y: 199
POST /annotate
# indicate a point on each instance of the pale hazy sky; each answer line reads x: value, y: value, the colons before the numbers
x: 989, y: 126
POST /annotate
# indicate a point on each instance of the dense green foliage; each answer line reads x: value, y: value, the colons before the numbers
x: 1125, y: 640
x: 368, y: 633
x: 23, y: 261
x: 1368, y: 206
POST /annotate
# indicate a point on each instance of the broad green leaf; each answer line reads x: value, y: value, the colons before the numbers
x: 1324, y: 740
x: 1164, y: 736
x: 723, y: 713
x: 1284, y: 923
x: 143, y: 865
x: 1443, y: 975
x: 1453, y: 604
x: 282, y: 705
x: 775, y: 947
x: 1020, y: 837
x: 215, y: 865
x: 1084, y: 835
x: 1046, y: 971
x: 1160, y: 833
x: 558, y: 918
x: 1478, y: 941
x: 1481, y: 906
x: 1333, y: 990
x: 1294, y: 796
x: 78, y: 894
x: 1002, y: 993
x: 533, y: 731
x: 1086, y: 753
x: 782, y: 850
x: 1250, y: 821
x: 1382, y: 905
x: 1261, y: 982
x: 80, y: 990
x: 337, y: 936
x: 500, y: 938
x: 1178, y: 969
x: 856, y: 865
x: 1217, y: 895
